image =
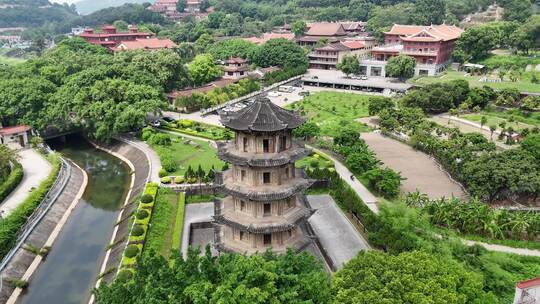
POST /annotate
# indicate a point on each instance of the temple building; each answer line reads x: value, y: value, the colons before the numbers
x: 235, y: 68
x: 264, y: 205
x: 114, y: 40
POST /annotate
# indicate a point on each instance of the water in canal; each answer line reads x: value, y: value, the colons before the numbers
x: 70, y: 270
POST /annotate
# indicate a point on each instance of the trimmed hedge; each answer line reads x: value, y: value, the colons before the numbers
x: 13, y: 180
x: 146, y: 205
x: 13, y: 222
x: 131, y: 251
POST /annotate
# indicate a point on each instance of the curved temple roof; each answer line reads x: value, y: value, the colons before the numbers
x: 262, y: 116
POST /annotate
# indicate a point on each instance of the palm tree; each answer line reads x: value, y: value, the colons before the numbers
x: 492, y: 129
x: 483, y: 121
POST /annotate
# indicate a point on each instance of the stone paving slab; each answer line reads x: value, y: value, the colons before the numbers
x: 340, y: 240
x: 195, y: 213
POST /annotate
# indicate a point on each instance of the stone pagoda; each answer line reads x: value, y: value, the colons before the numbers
x: 264, y: 205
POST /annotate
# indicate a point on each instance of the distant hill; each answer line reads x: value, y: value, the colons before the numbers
x: 85, y: 7
x: 33, y: 13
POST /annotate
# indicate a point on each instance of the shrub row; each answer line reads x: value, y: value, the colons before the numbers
x: 13, y: 222
x: 13, y: 180
x: 139, y: 229
x: 281, y: 75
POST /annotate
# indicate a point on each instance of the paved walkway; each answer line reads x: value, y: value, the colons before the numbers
x: 36, y: 169
x: 421, y: 172
x: 195, y: 213
x: 501, y: 248
x: 151, y: 155
x: 369, y: 199
x: 339, y: 238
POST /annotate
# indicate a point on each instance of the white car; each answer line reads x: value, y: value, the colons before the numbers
x: 274, y: 94
x: 364, y: 78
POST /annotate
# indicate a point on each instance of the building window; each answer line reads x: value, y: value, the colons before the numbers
x: 266, y: 177
x: 289, y: 232
x: 267, y: 209
x: 287, y: 172
x: 245, y: 147
x: 266, y: 145
x: 267, y: 239
x: 242, y: 235
x: 290, y: 203
x: 282, y: 143
x: 242, y: 175
x: 242, y: 206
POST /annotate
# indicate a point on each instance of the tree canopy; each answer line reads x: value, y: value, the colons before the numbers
x: 409, y: 277
x: 228, y: 278
x: 401, y: 66
x: 203, y: 69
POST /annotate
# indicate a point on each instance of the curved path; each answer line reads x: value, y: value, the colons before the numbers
x: 36, y: 169
x: 422, y: 173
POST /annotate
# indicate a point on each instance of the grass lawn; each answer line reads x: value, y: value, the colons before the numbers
x: 192, y: 154
x: 524, y: 85
x: 494, y: 117
x: 160, y: 237
x: 10, y: 60
x: 334, y: 110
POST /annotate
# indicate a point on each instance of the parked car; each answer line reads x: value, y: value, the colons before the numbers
x: 274, y: 94
x: 156, y: 123
x: 168, y: 119
x: 364, y: 77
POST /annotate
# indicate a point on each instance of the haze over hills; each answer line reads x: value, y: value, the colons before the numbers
x: 85, y: 7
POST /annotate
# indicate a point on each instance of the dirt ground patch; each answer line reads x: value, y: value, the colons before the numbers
x: 421, y: 171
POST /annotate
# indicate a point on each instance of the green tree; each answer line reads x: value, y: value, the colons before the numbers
x: 427, y: 12
x: 307, y: 130
x: 299, y: 27
x: 121, y: 25
x: 203, y: 69
x: 379, y: 103
x: 401, y: 66
x: 532, y: 144
x: 517, y: 10
x: 349, y: 65
x: 180, y: 6
x: 384, y: 180
x: 375, y: 277
x: 280, y: 52
x: 8, y: 158
x: 233, y: 48
x: 228, y: 278
x: 361, y: 161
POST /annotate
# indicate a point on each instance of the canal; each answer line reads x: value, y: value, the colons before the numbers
x: 70, y: 270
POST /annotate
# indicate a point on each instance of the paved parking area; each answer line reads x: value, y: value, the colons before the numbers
x: 339, y: 238
x: 421, y: 171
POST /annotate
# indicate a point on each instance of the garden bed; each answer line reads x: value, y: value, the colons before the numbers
x: 11, y: 182
x: 189, y: 127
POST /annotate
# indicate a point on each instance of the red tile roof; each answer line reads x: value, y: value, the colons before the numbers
x: 354, y: 45
x: 325, y: 29
x: 528, y: 283
x: 425, y: 33
x: 146, y: 44
x: 14, y: 130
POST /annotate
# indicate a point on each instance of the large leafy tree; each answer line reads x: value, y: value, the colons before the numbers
x: 233, y: 48
x: 428, y: 12
x: 280, y: 52
x: 517, y: 10
x: 410, y: 277
x: 229, y: 278
x: 203, y: 69
x: 349, y: 65
x: 401, y: 66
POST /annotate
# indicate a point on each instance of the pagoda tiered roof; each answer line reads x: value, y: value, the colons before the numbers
x: 262, y: 116
x: 228, y: 153
x: 261, y: 193
x: 230, y: 217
